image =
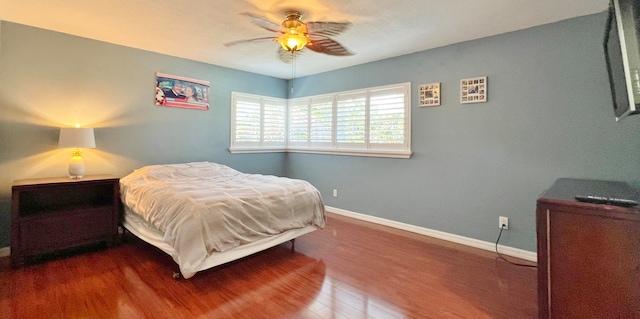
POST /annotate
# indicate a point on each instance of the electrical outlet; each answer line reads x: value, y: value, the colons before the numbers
x: 335, y: 193
x: 503, y: 221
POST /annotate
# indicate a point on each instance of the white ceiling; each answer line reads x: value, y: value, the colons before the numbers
x: 198, y: 29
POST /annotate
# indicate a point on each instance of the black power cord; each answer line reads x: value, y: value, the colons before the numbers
x: 502, y: 257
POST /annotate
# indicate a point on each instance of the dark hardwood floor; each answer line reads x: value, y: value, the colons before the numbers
x: 350, y: 269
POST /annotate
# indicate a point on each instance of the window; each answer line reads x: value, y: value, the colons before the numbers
x: 298, y: 122
x: 387, y: 118
x: 321, y: 122
x: 257, y: 123
x: 351, y: 120
x: 275, y: 116
x: 369, y: 122
x: 248, y: 121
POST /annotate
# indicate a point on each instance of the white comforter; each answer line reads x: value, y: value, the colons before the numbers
x: 206, y: 207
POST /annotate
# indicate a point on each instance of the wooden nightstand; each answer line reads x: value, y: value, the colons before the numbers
x: 50, y: 214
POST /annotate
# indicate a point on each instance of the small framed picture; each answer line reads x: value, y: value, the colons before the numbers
x: 429, y: 94
x: 473, y: 90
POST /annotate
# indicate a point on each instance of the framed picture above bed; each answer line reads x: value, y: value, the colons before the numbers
x: 182, y: 92
x: 473, y: 90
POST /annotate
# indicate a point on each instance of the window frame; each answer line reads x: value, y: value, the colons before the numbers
x: 261, y: 145
x: 377, y: 149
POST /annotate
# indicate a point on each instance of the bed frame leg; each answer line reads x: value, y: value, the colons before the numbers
x: 293, y: 244
x: 176, y: 272
x: 122, y: 235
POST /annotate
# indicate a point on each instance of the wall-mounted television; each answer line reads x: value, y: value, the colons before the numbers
x: 622, y: 54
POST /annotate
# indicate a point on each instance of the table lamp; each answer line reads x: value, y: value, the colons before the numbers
x: 76, y: 138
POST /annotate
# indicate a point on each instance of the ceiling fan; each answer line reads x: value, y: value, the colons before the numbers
x: 296, y: 35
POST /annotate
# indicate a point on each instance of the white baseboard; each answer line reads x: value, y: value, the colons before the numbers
x: 5, y: 251
x: 505, y: 250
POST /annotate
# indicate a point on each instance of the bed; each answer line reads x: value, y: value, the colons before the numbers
x: 206, y: 214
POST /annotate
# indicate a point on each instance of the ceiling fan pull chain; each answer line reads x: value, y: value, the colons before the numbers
x: 293, y: 69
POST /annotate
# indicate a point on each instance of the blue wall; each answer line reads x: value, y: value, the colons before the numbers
x: 50, y: 79
x: 548, y: 115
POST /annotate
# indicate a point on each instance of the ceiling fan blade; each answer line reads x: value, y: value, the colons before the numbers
x: 326, y: 29
x: 228, y: 44
x: 286, y: 56
x: 264, y: 22
x: 328, y: 46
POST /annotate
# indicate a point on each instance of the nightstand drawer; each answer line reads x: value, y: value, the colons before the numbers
x: 45, y: 233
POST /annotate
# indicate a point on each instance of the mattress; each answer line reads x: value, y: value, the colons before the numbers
x: 193, y: 211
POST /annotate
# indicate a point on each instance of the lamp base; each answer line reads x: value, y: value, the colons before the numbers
x: 76, y: 167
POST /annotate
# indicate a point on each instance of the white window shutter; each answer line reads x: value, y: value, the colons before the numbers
x: 298, y: 122
x: 387, y: 127
x: 351, y: 120
x: 321, y: 122
x: 248, y: 119
x: 368, y: 122
x: 275, y: 115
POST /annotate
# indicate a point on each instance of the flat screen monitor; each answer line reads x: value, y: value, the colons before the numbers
x: 622, y: 54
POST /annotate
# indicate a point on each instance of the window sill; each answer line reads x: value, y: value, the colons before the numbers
x: 345, y: 152
x: 242, y: 150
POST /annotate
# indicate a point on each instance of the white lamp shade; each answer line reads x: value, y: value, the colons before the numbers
x: 77, y: 137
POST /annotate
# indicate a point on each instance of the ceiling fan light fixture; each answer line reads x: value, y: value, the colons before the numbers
x: 293, y: 41
x: 295, y: 38
x: 295, y: 35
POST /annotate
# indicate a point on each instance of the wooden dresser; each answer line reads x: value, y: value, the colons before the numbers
x: 50, y: 214
x: 588, y: 254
